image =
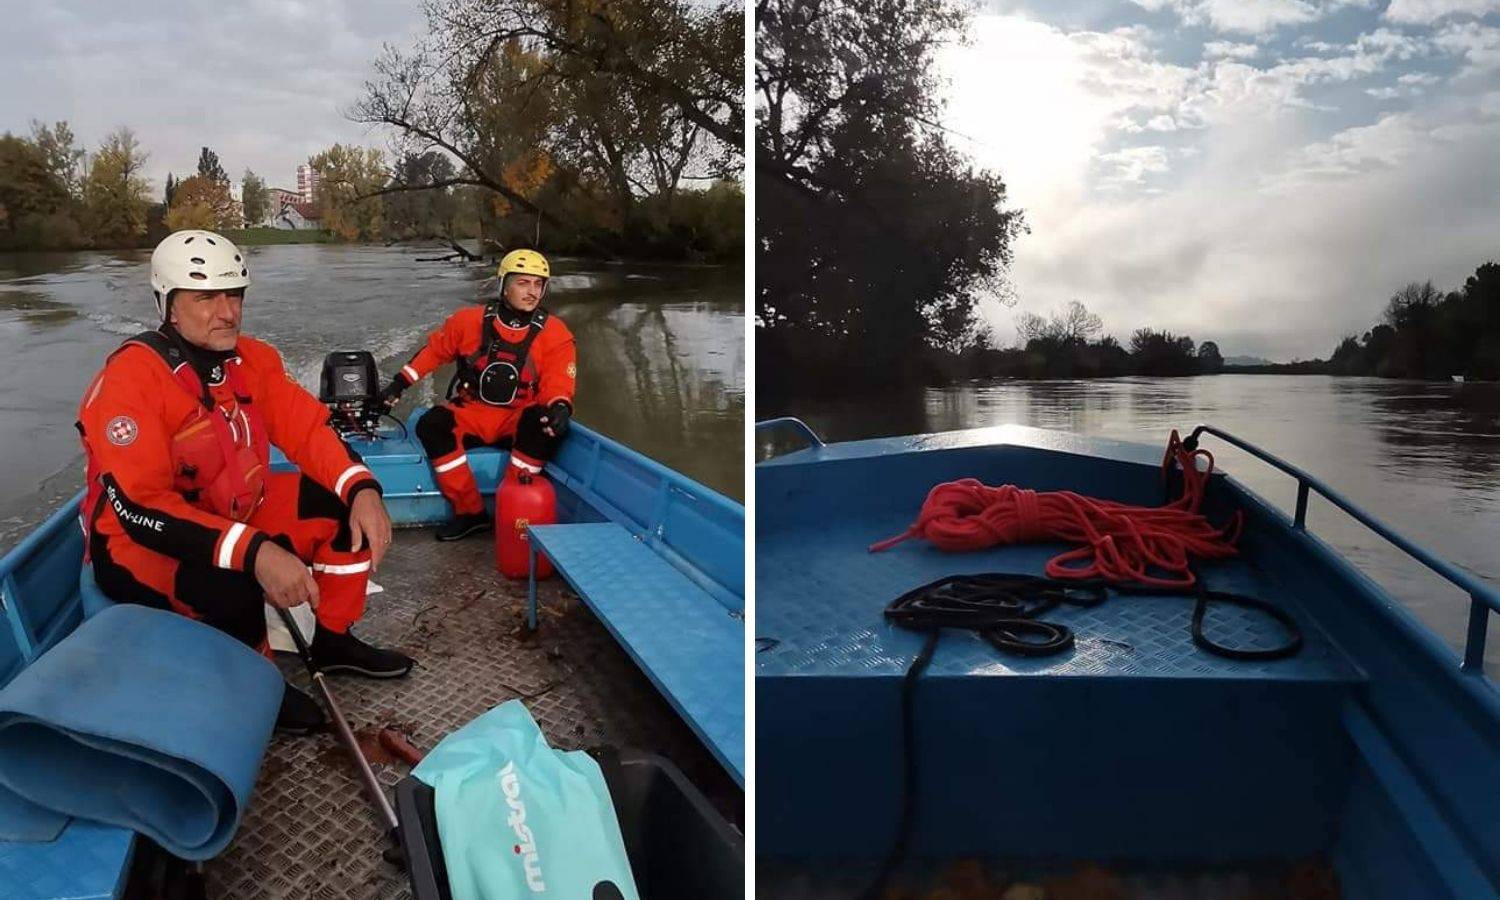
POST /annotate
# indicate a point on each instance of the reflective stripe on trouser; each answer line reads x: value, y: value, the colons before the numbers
x: 301, y: 516
x: 448, y: 430
x: 342, y: 578
x: 456, y: 480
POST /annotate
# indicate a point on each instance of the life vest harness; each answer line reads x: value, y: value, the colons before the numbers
x: 218, y: 457
x: 496, y: 372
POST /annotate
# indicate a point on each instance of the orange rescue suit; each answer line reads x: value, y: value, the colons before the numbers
x: 547, y: 374
x: 177, y: 477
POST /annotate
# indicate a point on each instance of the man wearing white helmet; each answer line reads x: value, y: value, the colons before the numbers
x: 181, y: 510
x: 514, y: 387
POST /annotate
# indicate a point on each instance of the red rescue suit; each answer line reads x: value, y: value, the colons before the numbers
x: 536, y: 359
x: 179, y: 494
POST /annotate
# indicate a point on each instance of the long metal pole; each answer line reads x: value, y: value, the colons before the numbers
x: 372, y: 784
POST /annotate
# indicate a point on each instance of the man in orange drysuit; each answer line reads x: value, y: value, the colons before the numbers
x: 181, y: 511
x: 516, y: 372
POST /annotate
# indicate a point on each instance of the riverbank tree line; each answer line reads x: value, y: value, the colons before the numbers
x: 602, y: 129
x: 1428, y: 333
x: 1069, y: 343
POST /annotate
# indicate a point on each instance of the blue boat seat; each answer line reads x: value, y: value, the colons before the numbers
x: 689, y: 645
x: 88, y: 860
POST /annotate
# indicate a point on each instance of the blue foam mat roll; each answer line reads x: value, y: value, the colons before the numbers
x: 141, y: 718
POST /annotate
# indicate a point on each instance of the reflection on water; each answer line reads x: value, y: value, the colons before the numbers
x: 660, y: 348
x: 1423, y: 457
x: 23, y: 307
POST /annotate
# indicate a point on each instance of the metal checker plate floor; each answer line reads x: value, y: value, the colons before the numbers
x: 820, y: 596
x: 311, y: 833
x: 699, y: 662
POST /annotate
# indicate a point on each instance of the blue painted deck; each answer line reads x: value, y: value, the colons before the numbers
x: 829, y: 595
x: 1372, y: 748
x: 691, y: 648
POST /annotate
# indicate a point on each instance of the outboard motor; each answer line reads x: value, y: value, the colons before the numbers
x: 350, y: 386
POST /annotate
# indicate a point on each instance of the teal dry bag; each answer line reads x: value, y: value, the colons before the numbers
x: 518, y: 819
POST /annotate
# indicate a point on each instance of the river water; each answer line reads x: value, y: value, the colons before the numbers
x: 661, y: 359
x: 1422, y: 457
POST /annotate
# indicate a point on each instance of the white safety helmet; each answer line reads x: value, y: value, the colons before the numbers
x: 199, y: 260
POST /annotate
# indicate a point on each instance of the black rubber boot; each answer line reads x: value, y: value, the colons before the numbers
x: 300, y: 714
x: 333, y: 653
x: 463, y: 526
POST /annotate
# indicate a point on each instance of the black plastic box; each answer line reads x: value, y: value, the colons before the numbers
x: 680, y: 848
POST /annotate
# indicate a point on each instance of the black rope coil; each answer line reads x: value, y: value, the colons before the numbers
x: 1002, y: 609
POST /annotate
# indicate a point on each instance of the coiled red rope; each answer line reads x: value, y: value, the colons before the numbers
x: 1118, y: 542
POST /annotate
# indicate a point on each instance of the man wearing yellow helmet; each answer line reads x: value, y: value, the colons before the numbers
x: 516, y: 371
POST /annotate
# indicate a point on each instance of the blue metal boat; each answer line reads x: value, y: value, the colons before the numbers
x: 1374, y: 751
x: 656, y: 558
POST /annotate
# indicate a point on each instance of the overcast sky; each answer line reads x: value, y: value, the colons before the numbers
x: 261, y: 82
x: 1262, y: 173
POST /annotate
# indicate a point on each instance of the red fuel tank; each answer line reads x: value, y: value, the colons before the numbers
x: 522, y: 499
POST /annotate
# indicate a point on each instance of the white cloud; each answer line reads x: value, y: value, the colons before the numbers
x: 1425, y: 12
x: 1161, y: 123
x: 1412, y: 84
x: 1386, y: 44
x: 1133, y: 164
x: 1478, y: 44
x: 1235, y: 92
x: 1368, y: 54
x: 1392, y: 140
x: 1230, y: 49
x: 1253, y: 17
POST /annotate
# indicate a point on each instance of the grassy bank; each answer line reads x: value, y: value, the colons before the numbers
x: 260, y: 237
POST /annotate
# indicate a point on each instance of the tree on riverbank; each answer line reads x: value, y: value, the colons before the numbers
x: 255, y: 198
x: 1427, y: 333
x: 40, y: 193
x: 875, y: 238
x: 580, y: 124
x: 347, y: 175
x: 427, y: 213
x: 115, y: 191
x: 208, y: 167
x: 202, y: 202
x: 55, y: 196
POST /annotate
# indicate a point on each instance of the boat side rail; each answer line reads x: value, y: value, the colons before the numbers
x: 1483, y: 597
x: 789, y: 423
x: 28, y: 635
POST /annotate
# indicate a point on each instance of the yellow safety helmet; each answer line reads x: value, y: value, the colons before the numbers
x: 524, y: 262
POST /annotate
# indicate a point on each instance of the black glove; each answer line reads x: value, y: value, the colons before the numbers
x: 392, y: 393
x: 557, y: 417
